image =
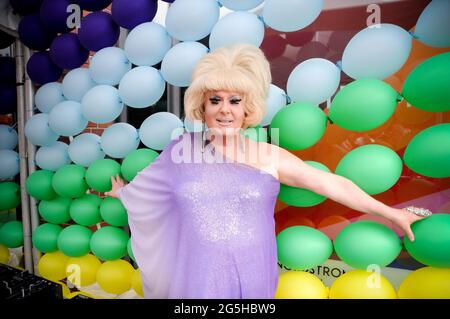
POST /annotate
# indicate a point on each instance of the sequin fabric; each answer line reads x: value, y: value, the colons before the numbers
x: 203, y: 230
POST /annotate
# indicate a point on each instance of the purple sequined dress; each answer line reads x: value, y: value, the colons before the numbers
x: 202, y: 229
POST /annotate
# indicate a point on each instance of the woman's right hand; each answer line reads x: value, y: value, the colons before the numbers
x: 117, y: 183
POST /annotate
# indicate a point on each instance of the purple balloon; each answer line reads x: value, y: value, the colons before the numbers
x: 25, y: 7
x: 98, y: 30
x: 8, y: 98
x: 67, y: 52
x: 7, y: 70
x: 93, y: 5
x: 41, y: 69
x: 6, y: 40
x: 33, y: 33
x: 53, y: 14
x: 129, y: 14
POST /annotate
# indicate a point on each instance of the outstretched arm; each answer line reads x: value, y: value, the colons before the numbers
x: 294, y: 172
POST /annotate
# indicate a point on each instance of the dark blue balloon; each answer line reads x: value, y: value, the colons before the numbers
x: 93, y: 5
x: 25, y: 7
x: 129, y: 14
x: 98, y: 30
x: 53, y: 14
x: 7, y: 70
x: 33, y: 33
x: 67, y: 52
x: 8, y: 98
x: 41, y: 69
x: 6, y: 40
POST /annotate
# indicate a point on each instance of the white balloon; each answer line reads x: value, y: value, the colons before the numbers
x: 86, y: 149
x: 159, y: 128
x: 102, y: 104
x: 240, y: 5
x: 109, y: 65
x: 66, y: 118
x: 76, y: 83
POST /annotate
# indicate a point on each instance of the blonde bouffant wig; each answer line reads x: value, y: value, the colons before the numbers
x: 241, y: 68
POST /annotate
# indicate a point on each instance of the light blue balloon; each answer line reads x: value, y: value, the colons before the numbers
x: 237, y: 27
x: 192, y: 20
x: 48, y: 95
x: 147, y: 44
x: 376, y: 52
x: 9, y: 164
x: 53, y: 157
x: 76, y: 83
x: 179, y: 62
x: 194, y: 126
x: 66, y: 118
x: 8, y: 137
x: 86, y: 149
x: 313, y: 81
x: 433, y: 25
x: 109, y: 65
x: 38, y: 131
x: 240, y: 5
x: 275, y: 102
x: 141, y: 87
x: 102, y: 104
x: 159, y: 129
x: 119, y: 140
x: 291, y: 15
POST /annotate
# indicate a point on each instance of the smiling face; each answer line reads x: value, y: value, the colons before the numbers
x: 224, y: 111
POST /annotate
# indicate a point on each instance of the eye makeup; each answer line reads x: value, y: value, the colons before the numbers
x: 216, y: 99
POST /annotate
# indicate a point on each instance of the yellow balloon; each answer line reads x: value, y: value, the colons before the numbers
x: 115, y: 276
x: 52, y: 266
x: 426, y: 283
x: 136, y: 282
x: 82, y: 271
x: 361, y: 284
x: 4, y: 254
x: 300, y: 285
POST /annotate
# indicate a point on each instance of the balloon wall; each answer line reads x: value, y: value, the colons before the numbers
x: 367, y: 102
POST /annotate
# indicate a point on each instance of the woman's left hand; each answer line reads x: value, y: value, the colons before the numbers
x: 403, y: 219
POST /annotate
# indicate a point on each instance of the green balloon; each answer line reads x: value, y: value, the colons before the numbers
x: 109, y: 243
x: 257, y: 134
x: 98, y: 175
x: 301, y: 197
x: 69, y: 181
x: 302, y: 247
x: 427, y: 87
x: 428, y: 153
x: 136, y: 161
x: 55, y: 211
x: 11, y: 234
x: 74, y: 241
x: 85, y: 210
x: 39, y: 185
x: 363, y: 105
x: 431, y: 244
x: 45, y: 237
x: 130, y: 250
x: 9, y: 195
x: 365, y: 242
x: 298, y: 126
x: 113, y: 212
x: 374, y: 168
